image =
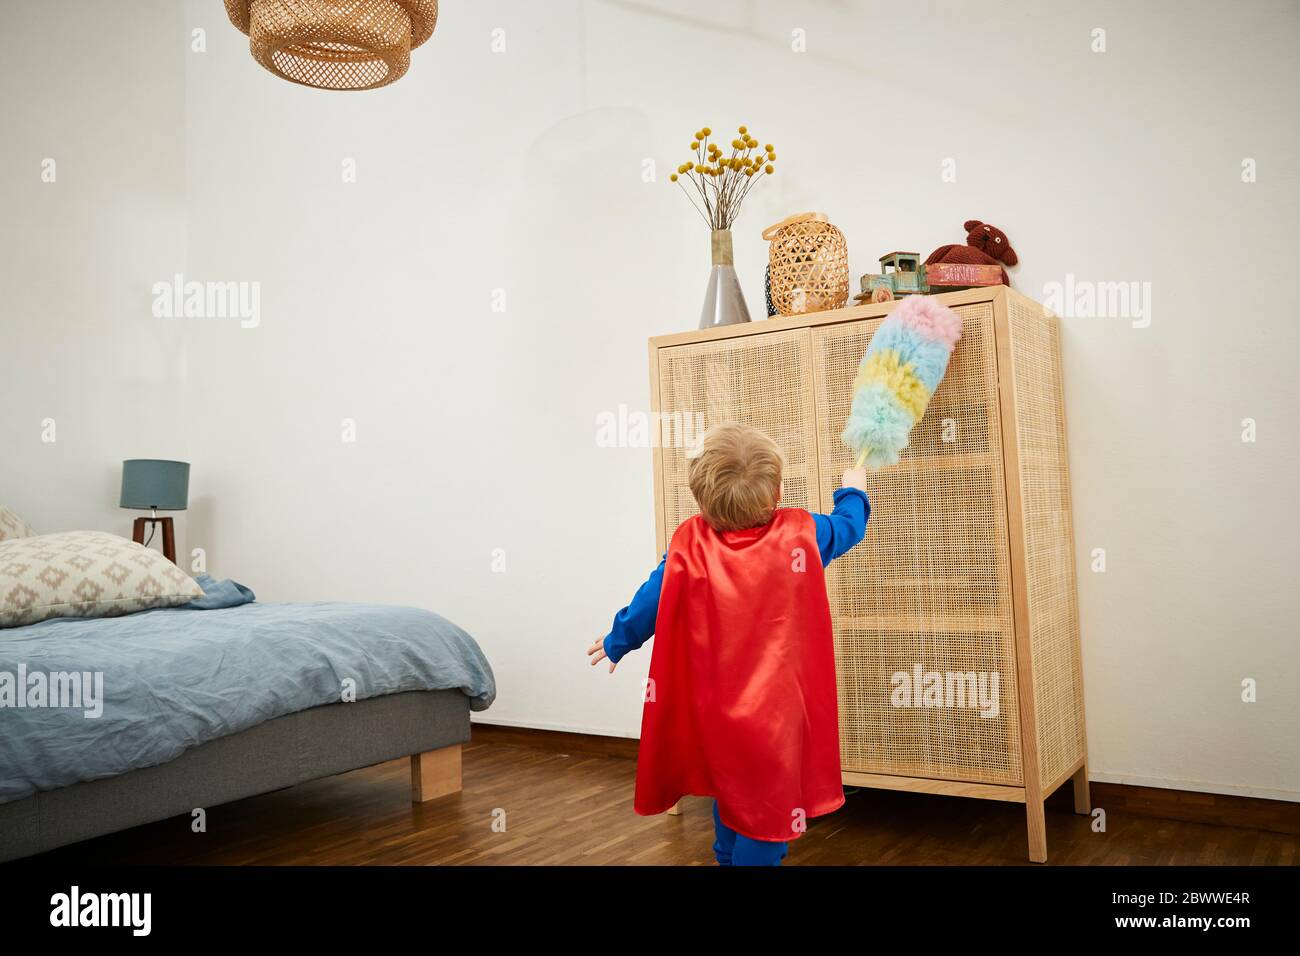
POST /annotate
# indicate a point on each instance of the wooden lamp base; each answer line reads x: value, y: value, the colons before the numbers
x: 168, y: 535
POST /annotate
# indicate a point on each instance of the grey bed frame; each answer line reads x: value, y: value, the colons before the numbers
x: 427, y: 726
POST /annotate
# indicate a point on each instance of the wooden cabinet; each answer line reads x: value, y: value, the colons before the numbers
x: 956, y: 621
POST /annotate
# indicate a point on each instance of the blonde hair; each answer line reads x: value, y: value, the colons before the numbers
x: 736, y: 477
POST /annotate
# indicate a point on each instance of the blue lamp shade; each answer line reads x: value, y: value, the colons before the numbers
x: 153, y: 483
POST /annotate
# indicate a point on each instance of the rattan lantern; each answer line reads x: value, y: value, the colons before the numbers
x: 808, y: 262
x: 335, y: 44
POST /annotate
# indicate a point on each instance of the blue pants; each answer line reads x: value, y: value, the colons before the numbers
x: 735, y: 849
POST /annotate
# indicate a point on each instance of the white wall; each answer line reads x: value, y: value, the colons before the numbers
x: 521, y: 171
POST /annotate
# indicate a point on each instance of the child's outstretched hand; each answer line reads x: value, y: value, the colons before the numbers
x: 855, y: 478
x: 597, y: 654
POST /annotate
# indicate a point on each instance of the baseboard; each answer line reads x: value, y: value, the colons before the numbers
x: 1195, y: 786
x: 561, y: 741
x: 1189, y: 806
x: 1192, y: 806
x: 495, y: 721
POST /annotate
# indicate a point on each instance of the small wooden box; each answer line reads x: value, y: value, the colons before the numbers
x: 948, y: 276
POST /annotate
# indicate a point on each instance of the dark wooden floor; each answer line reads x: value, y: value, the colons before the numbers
x: 576, y: 808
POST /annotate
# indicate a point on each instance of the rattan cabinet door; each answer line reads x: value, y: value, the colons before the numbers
x: 761, y: 380
x: 930, y: 586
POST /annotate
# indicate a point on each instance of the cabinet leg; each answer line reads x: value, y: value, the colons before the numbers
x: 1082, y: 796
x: 1036, y: 822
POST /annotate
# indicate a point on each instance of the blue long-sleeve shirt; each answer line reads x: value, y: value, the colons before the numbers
x: 837, y: 532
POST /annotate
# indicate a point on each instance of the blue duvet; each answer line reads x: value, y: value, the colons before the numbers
x: 176, y: 678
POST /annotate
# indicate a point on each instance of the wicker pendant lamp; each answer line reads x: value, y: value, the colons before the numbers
x: 335, y: 44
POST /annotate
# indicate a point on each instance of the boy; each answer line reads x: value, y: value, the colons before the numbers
x: 741, y: 702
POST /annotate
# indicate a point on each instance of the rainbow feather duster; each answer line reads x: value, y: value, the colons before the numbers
x: 903, y: 366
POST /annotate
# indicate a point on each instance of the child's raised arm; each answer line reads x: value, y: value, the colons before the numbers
x: 844, y: 527
x: 634, y: 625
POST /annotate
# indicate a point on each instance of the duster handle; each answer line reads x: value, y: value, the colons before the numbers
x: 862, y: 457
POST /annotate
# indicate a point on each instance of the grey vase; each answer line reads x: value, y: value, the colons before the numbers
x: 724, y: 303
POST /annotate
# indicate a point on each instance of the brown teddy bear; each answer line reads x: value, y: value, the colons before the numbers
x: 985, y: 245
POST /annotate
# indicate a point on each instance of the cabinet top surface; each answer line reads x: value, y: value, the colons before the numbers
x: 830, y: 317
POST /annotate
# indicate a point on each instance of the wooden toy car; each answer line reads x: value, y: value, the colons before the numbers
x: 900, y: 274
x: 903, y: 273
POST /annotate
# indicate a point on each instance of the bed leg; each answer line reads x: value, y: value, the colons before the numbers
x: 435, y: 773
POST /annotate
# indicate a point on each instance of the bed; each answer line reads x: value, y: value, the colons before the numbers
x: 219, y: 700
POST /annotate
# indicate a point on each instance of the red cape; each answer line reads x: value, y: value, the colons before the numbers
x: 743, y: 706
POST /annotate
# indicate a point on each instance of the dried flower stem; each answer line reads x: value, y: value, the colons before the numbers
x: 722, y: 183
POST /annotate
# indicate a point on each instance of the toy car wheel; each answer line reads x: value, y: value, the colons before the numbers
x: 881, y: 294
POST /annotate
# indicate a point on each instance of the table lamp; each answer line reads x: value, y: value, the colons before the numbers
x: 157, y: 485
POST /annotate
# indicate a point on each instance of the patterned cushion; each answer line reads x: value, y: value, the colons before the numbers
x: 12, y: 526
x: 85, y: 574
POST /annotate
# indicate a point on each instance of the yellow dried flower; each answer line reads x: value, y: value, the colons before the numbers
x: 706, y: 131
x: 742, y: 130
x: 767, y: 168
x: 673, y: 177
x: 690, y: 166
x: 769, y: 147
x: 695, y: 145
